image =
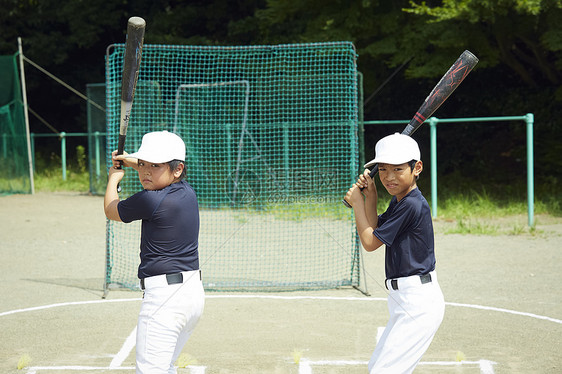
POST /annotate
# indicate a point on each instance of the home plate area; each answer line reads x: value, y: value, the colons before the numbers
x: 305, y: 366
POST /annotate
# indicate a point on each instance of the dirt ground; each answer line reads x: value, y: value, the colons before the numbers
x: 503, y: 313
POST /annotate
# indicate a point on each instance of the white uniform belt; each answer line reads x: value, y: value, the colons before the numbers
x: 167, y: 279
x: 411, y: 281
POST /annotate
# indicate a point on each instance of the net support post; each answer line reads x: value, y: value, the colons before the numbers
x: 433, y: 151
x: 63, y: 154
x: 529, y: 119
x: 97, y: 153
x: 26, y: 116
x: 107, y: 262
x: 32, y: 137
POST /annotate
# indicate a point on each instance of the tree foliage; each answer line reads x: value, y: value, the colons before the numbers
x: 403, y: 47
x: 525, y: 36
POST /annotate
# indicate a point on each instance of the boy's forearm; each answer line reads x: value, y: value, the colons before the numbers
x: 111, y: 199
x: 371, y: 211
x: 364, y: 228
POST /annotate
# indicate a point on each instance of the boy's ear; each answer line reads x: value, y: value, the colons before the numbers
x: 179, y: 170
x: 418, y: 168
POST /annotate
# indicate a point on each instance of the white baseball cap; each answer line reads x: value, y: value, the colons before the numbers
x: 160, y: 147
x: 395, y: 149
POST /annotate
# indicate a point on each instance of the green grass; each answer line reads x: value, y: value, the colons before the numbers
x: 478, y: 228
x: 480, y: 213
x: 49, y: 176
x: 48, y: 181
x: 463, y: 208
x: 471, y: 226
x: 51, y: 181
x: 466, y: 206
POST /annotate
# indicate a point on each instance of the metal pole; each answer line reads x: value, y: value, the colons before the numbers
x: 433, y: 149
x: 530, y: 171
x: 63, y: 154
x: 97, y: 153
x: 33, y: 150
x: 26, y: 115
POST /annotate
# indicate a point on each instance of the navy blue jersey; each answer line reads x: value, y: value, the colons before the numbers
x: 170, y: 228
x: 407, y: 231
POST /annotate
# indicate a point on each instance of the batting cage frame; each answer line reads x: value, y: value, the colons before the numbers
x: 273, y: 137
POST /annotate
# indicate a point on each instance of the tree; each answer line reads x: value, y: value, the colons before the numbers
x: 402, y: 46
x: 69, y: 39
x: 525, y: 36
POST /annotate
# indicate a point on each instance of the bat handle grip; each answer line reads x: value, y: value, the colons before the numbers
x: 372, y: 174
x: 409, y: 130
x: 120, y: 149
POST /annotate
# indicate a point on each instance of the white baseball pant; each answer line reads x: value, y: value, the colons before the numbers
x: 168, y: 316
x: 416, y: 312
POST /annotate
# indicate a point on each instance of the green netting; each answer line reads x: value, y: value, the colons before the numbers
x: 272, y: 146
x: 13, y: 140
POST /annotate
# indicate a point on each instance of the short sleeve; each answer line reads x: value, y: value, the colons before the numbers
x: 139, y: 206
x: 395, y: 222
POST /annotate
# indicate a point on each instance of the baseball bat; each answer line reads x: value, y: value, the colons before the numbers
x: 131, y: 67
x: 441, y: 92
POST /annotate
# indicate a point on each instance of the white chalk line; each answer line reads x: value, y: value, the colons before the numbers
x: 306, y: 366
x: 125, y: 350
x: 503, y: 310
x: 64, y: 304
x: 129, y: 344
x: 36, y: 369
x: 250, y: 296
x: 380, y: 331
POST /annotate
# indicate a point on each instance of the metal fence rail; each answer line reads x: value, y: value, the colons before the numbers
x: 98, y: 137
x: 433, y: 121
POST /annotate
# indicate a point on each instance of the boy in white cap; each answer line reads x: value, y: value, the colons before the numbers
x: 415, y: 301
x: 169, y: 272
